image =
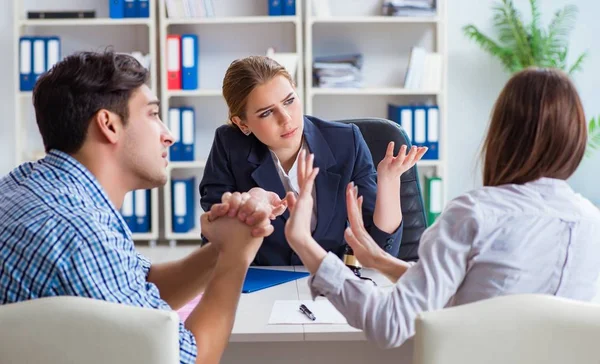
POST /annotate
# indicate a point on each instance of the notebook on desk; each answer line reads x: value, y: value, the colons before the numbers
x: 257, y: 279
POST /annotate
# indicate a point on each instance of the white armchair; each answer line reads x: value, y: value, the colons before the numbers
x: 515, y: 329
x: 69, y: 330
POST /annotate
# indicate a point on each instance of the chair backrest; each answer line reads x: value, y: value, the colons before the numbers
x: 516, y: 329
x: 65, y: 329
x: 378, y: 133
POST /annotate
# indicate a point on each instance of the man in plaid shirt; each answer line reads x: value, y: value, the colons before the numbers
x: 60, y: 229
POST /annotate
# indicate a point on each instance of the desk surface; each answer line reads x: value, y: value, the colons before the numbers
x: 254, y: 309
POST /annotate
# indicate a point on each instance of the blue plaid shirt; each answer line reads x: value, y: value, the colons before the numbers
x: 61, y: 236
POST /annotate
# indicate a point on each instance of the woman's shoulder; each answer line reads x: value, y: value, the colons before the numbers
x: 228, y: 132
x: 327, y: 125
x: 339, y: 136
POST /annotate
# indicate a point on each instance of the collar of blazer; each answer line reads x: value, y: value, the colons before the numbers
x: 327, y: 184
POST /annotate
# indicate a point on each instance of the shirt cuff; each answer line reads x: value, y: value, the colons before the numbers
x: 330, y: 277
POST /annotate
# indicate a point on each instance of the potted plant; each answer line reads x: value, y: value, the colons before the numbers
x: 521, y: 45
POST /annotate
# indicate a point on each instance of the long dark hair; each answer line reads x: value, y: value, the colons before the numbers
x: 537, y: 129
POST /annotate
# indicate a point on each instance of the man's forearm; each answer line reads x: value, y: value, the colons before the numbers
x: 182, y: 280
x: 388, y: 214
x: 212, y: 320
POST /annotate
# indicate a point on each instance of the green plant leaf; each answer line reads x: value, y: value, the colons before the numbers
x: 558, y: 31
x: 577, y: 65
x: 512, y: 33
x: 486, y: 43
x: 536, y: 39
x: 520, y: 46
x: 593, y: 143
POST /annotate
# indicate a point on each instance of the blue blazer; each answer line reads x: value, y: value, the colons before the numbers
x: 238, y: 163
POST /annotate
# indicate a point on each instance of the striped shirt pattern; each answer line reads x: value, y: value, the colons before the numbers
x: 61, y: 236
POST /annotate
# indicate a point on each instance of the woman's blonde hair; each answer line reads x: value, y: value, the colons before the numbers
x: 243, y: 75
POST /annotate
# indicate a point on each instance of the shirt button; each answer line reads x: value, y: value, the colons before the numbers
x: 388, y: 247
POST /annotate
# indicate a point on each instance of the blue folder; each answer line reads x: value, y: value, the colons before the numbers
x: 257, y: 279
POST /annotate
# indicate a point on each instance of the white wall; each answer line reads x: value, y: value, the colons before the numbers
x: 475, y: 80
x: 7, y: 101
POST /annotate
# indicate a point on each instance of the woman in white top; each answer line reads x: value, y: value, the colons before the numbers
x: 525, y: 231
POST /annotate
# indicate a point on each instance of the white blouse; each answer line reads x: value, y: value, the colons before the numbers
x: 540, y: 237
x: 290, y: 181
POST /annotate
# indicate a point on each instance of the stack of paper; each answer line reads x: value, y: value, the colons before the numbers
x: 338, y: 71
x: 409, y: 8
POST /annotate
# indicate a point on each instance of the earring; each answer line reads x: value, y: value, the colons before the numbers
x: 246, y: 132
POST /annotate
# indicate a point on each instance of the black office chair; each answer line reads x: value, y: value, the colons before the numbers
x: 378, y: 133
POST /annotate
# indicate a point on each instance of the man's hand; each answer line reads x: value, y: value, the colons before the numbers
x: 255, y: 212
x: 232, y: 237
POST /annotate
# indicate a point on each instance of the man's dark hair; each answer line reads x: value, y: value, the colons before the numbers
x: 75, y: 89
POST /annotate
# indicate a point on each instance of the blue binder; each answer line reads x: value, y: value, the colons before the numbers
x: 53, y: 51
x: 188, y: 133
x: 175, y: 128
x: 433, y: 133
x: 39, y: 57
x: 130, y: 9
x: 189, y: 61
x: 419, y: 126
x: 142, y: 211
x: 191, y: 206
x: 143, y: 8
x: 116, y: 9
x: 403, y: 115
x: 257, y: 279
x: 289, y: 7
x: 127, y: 211
x: 275, y: 7
x: 183, y: 205
x: 26, y: 78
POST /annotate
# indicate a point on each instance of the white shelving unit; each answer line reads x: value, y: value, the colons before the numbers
x: 238, y: 29
x: 124, y: 35
x: 385, y: 41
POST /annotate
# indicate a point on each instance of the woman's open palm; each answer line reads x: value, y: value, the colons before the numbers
x: 297, y: 227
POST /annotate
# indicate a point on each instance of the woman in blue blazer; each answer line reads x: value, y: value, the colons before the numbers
x: 259, y: 148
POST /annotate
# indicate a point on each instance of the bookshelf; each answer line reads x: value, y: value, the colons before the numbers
x: 350, y: 27
x: 124, y: 35
x: 238, y: 29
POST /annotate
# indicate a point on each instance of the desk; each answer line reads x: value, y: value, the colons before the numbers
x: 254, y: 341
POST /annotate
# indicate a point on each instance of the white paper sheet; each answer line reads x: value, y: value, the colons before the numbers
x: 287, y: 312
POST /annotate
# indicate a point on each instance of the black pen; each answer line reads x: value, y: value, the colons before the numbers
x: 307, y: 312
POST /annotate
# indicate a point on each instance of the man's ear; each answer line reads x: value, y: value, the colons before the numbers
x: 109, y: 125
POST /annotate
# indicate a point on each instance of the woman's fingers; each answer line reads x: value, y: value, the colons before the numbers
x: 301, y: 167
x: 234, y: 203
x: 352, y: 207
x: 290, y: 197
x: 389, y: 152
x: 217, y: 210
